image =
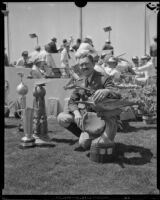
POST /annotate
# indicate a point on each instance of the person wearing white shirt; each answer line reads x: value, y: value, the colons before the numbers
x: 135, y: 61
x: 47, y: 57
x: 24, y: 61
x: 146, y: 68
x: 43, y: 64
x: 34, y: 55
x: 110, y: 68
x: 65, y: 61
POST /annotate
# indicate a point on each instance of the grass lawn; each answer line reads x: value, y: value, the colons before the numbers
x: 63, y: 169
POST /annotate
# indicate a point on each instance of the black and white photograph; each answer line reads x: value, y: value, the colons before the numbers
x: 80, y: 109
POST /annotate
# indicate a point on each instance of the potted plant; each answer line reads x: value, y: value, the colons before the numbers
x: 148, y: 103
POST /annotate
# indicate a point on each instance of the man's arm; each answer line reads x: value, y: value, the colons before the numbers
x: 72, y: 105
x: 145, y: 67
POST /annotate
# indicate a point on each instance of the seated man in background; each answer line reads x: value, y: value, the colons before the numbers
x: 72, y: 120
x: 101, y: 63
x: 146, y: 69
x: 43, y: 65
x: 135, y: 61
x: 125, y: 67
x: 24, y: 61
x: 110, y: 68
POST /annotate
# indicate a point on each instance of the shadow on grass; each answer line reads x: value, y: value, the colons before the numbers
x: 127, y: 128
x: 121, y: 151
x: 69, y: 141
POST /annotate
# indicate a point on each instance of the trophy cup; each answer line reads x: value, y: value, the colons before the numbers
x: 27, y: 141
x: 40, y: 125
x: 22, y: 90
x: 26, y: 116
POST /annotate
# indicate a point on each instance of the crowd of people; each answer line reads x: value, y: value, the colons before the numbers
x: 42, y: 62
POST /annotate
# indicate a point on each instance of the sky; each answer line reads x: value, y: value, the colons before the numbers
x: 62, y: 20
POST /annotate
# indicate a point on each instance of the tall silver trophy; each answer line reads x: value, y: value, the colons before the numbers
x: 26, y: 116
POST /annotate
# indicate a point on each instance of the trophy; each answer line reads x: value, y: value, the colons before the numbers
x: 27, y: 140
x: 40, y: 125
x: 22, y: 90
x: 26, y: 116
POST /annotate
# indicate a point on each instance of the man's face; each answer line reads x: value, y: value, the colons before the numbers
x: 86, y: 66
x: 25, y: 57
x: 112, y: 64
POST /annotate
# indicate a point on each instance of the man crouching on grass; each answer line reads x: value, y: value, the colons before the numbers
x: 72, y: 120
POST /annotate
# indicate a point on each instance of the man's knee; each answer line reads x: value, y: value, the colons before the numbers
x: 64, y: 119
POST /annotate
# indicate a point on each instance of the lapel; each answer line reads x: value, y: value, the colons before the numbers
x: 89, y: 79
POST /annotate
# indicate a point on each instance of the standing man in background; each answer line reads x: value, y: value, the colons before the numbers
x: 107, y: 46
x: 24, y: 61
x: 53, y: 46
x: 65, y: 60
x: 76, y: 46
x: 153, y: 52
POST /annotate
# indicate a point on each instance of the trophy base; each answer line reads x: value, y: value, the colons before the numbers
x: 100, y: 154
x: 27, y: 143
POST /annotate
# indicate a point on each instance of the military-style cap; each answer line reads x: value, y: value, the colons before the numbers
x: 135, y: 58
x: 112, y: 60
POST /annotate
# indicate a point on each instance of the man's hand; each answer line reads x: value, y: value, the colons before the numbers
x: 78, y: 118
x: 100, y: 95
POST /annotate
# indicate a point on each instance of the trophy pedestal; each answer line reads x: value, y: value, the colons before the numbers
x: 101, y: 154
x: 27, y: 142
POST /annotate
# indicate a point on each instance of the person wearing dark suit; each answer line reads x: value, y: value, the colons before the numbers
x: 153, y: 52
x: 53, y: 46
x: 72, y: 119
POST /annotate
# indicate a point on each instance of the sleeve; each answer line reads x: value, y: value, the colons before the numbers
x: 107, y: 81
x: 145, y: 67
x: 72, y: 105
